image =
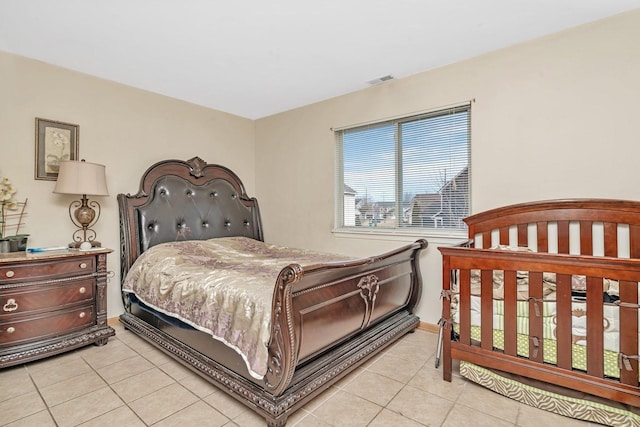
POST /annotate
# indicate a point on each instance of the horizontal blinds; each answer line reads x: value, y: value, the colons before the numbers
x: 409, y: 172
x: 435, y: 178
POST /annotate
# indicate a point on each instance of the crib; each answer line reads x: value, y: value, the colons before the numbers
x: 548, y: 291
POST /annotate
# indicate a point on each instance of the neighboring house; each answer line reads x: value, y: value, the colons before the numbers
x: 349, y: 206
x: 447, y: 208
x: 422, y: 210
x: 371, y: 213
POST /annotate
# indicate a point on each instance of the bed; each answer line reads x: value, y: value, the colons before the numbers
x: 548, y: 291
x: 324, y: 317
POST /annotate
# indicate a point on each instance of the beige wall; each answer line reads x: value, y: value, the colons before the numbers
x: 123, y: 128
x: 553, y: 118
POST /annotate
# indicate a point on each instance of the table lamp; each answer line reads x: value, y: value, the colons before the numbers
x: 80, y: 177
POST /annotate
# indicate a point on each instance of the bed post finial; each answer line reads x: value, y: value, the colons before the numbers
x: 196, y: 164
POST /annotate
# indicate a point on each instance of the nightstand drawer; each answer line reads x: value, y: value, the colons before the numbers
x: 46, y: 270
x: 32, y: 299
x: 51, y: 302
x: 45, y: 326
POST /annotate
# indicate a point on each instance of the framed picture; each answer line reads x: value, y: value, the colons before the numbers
x: 55, y: 141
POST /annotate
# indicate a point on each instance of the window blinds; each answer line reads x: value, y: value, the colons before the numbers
x: 410, y: 172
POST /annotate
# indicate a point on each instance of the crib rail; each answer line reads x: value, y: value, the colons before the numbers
x: 572, y: 226
x: 458, y: 264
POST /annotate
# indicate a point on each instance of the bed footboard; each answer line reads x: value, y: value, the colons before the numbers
x: 367, y: 305
x: 354, y: 295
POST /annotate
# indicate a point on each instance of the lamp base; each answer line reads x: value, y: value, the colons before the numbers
x: 76, y: 245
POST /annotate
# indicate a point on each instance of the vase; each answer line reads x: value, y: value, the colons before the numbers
x: 22, y: 243
x: 18, y: 243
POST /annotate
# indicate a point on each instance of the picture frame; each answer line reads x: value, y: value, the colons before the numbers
x: 55, y: 141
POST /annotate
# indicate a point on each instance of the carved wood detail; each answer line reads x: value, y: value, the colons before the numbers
x: 369, y: 287
x: 94, y: 335
x: 197, y: 164
x: 281, y: 346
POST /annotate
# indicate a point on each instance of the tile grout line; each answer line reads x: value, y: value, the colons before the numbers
x: 197, y: 393
x: 41, y: 396
x: 175, y: 381
x: 110, y: 388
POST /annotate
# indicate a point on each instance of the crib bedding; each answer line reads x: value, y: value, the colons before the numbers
x: 222, y: 286
x: 546, y: 308
x: 548, y: 345
x: 578, y: 282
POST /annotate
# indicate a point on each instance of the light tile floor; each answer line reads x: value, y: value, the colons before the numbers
x: 130, y: 383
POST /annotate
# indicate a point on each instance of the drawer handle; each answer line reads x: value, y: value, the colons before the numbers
x: 82, y: 314
x: 11, y: 330
x: 10, y: 305
x: 83, y: 265
x: 10, y: 273
x: 83, y: 290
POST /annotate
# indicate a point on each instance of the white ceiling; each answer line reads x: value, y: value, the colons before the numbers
x: 254, y: 58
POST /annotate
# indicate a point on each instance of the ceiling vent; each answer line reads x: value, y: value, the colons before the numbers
x: 380, y: 80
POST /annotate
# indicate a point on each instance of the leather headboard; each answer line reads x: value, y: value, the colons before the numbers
x: 189, y: 200
x: 180, y: 210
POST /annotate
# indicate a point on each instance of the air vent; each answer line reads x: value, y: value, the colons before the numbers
x: 380, y: 80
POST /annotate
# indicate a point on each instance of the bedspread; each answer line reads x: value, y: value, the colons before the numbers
x: 221, y: 286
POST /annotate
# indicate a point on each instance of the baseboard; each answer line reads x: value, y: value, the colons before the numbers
x: 429, y: 327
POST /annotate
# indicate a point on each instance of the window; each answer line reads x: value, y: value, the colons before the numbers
x: 409, y: 173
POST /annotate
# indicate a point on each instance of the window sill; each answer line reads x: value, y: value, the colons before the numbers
x: 434, y: 238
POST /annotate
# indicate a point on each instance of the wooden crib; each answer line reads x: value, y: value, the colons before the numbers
x: 516, y: 295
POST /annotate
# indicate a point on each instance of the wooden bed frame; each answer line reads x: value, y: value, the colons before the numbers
x: 326, y: 320
x: 529, y: 224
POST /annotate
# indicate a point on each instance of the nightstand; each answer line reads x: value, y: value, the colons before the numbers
x: 51, y: 302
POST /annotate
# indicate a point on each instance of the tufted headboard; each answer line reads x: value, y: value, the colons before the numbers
x: 180, y: 200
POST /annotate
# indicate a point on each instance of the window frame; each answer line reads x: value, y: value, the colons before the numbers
x: 397, y: 232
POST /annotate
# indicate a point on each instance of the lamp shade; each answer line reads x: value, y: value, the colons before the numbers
x: 82, y: 177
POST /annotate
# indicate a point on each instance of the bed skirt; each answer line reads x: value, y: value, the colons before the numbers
x: 567, y: 406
